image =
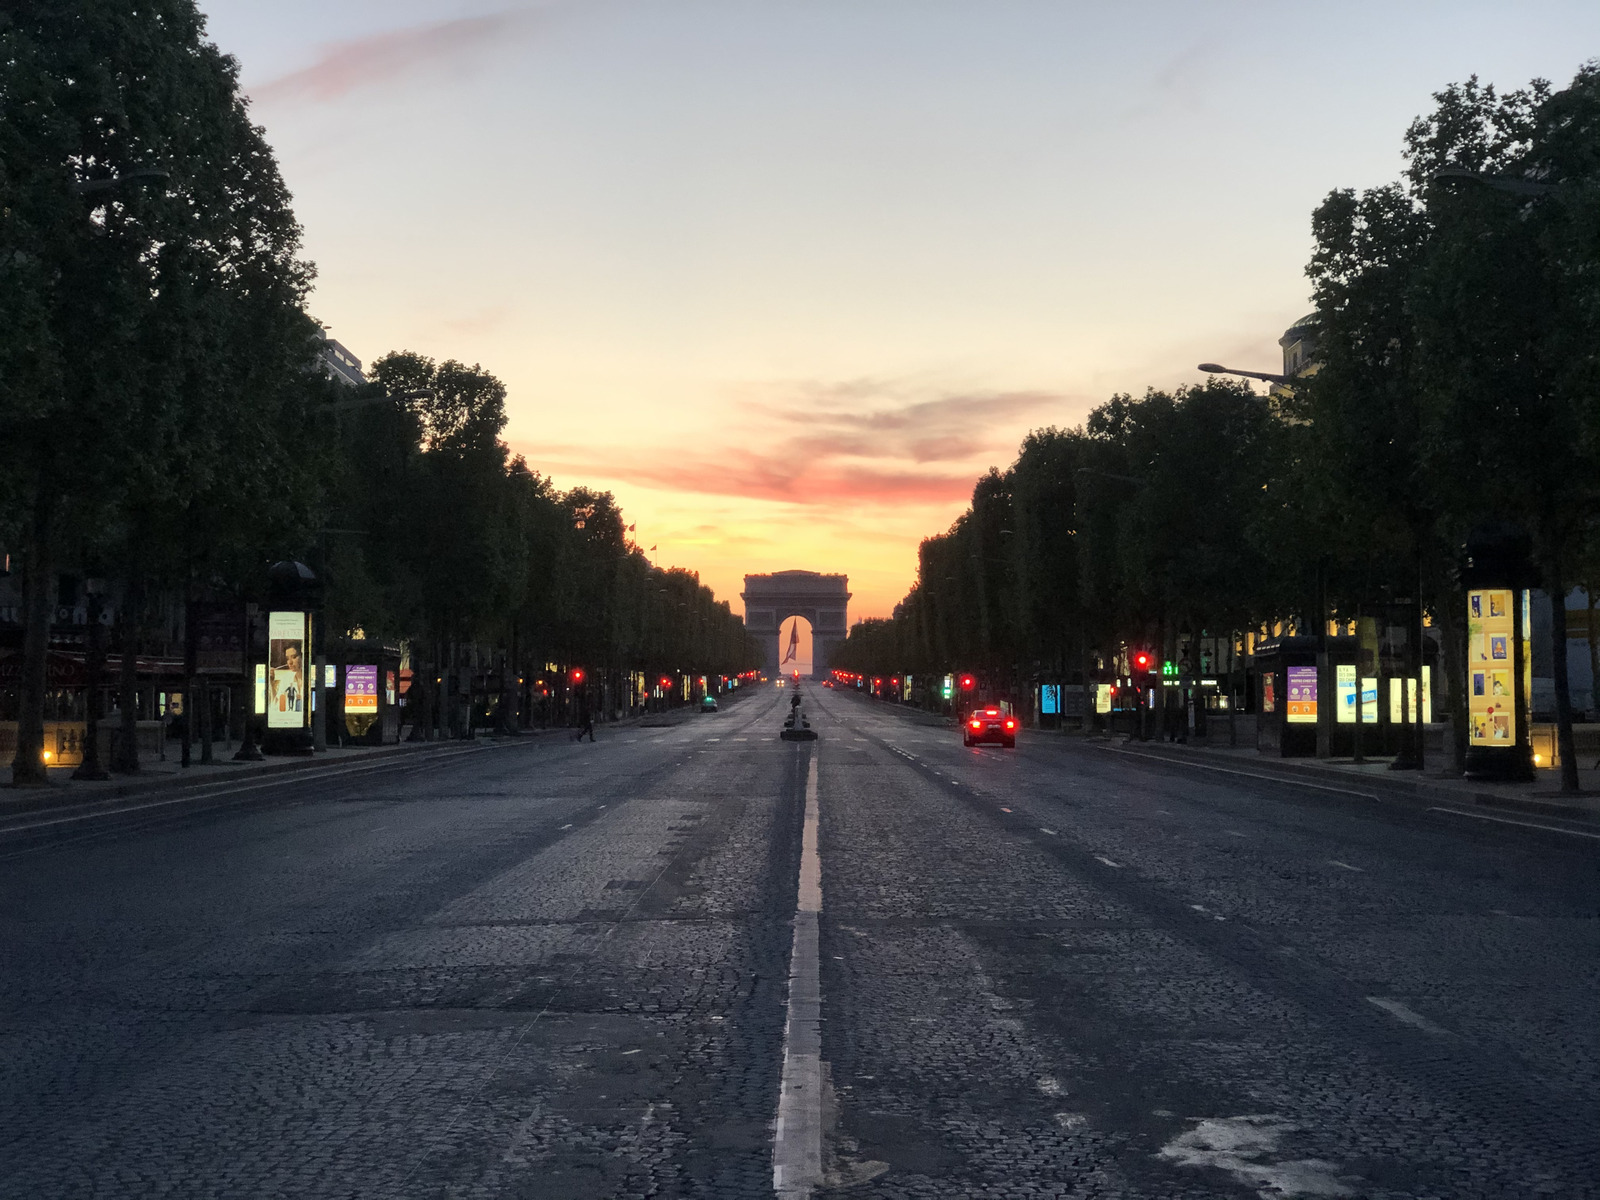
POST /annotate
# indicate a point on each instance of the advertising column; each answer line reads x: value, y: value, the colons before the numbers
x: 1496, y: 666
x: 288, y: 675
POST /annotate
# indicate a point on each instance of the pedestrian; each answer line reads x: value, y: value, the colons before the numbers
x: 585, y: 724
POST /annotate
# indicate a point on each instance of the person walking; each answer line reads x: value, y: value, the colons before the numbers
x: 585, y: 723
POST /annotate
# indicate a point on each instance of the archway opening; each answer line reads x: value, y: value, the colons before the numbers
x: 794, y: 646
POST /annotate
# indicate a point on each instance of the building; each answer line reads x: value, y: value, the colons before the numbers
x: 338, y: 362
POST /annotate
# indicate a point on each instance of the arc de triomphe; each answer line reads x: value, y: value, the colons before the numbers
x: 823, y: 600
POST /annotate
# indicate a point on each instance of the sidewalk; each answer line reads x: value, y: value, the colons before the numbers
x: 166, y: 777
x: 68, y: 796
x: 1542, y: 796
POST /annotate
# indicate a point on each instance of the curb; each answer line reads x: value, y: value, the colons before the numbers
x: 1416, y: 789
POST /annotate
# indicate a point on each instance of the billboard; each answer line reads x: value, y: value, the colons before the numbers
x: 287, y: 647
x: 1491, y: 687
x: 360, y: 690
x: 1302, y: 695
x: 1347, y: 697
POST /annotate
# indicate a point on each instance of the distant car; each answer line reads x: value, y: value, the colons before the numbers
x: 780, y: 683
x: 989, y: 725
x: 709, y: 704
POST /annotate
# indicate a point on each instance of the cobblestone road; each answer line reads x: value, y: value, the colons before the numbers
x: 559, y: 970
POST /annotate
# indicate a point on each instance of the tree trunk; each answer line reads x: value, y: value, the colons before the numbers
x: 38, y: 604
x: 127, y: 756
x: 1565, y: 749
x: 95, y: 660
x: 1594, y: 652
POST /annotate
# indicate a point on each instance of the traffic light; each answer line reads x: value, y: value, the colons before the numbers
x: 1142, y: 661
x: 577, y: 675
x: 968, y: 683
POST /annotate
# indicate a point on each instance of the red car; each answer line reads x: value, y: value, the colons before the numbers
x: 989, y: 725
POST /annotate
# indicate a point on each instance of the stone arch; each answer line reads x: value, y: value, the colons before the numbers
x: 822, y: 600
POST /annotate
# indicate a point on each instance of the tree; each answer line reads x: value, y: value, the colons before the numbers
x: 152, y: 268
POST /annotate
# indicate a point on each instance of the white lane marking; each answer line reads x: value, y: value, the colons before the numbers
x: 566, y: 827
x: 861, y: 739
x: 1344, y: 866
x: 741, y: 739
x: 797, y: 1140
x: 1247, y: 1148
x: 1198, y: 907
x: 1404, y: 1013
x: 1236, y: 833
x: 1102, y: 858
x: 719, y: 739
x: 1004, y: 809
x: 1051, y: 832
x: 625, y: 1053
x: 1500, y: 912
x: 1508, y: 821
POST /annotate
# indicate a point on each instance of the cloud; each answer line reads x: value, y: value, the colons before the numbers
x: 343, y: 67
x: 827, y: 446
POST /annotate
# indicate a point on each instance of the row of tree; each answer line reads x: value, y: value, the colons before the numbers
x: 165, y: 425
x: 1456, y: 383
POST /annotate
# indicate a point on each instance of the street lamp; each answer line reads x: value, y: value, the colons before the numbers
x: 1266, y: 376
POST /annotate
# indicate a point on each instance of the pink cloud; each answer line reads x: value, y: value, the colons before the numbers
x: 830, y: 445
x: 346, y: 66
x: 748, y: 476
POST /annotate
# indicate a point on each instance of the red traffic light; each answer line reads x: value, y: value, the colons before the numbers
x: 577, y: 675
x: 665, y: 682
x: 968, y: 683
x: 1142, y: 660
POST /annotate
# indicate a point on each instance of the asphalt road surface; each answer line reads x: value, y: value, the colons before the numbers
x: 551, y: 969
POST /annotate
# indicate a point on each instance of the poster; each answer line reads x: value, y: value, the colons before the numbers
x: 360, y: 689
x: 286, y: 675
x: 1491, y: 689
x: 1269, y: 700
x: 1302, y: 695
x: 1102, y: 697
x: 1347, y: 697
x: 261, y: 689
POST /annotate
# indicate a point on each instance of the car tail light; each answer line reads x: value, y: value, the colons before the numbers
x: 1011, y: 724
x: 977, y: 724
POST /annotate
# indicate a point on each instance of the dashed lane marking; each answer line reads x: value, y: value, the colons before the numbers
x: 1344, y: 866
x: 1101, y: 858
x: 1405, y: 1014
x: 1051, y: 832
x: 1004, y: 809
x: 566, y: 827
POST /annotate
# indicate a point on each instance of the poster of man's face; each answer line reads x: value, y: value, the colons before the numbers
x: 286, y: 676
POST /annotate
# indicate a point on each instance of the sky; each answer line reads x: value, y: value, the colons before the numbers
x: 787, y: 276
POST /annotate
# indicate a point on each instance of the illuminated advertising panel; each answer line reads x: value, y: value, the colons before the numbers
x: 360, y: 690
x: 1491, y: 699
x: 261, y: 689
x: 286, y: 670
x: 1102, y: 697
x: 1302, y: 683
x: 1050, y: 699
x: 1347, y: 697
